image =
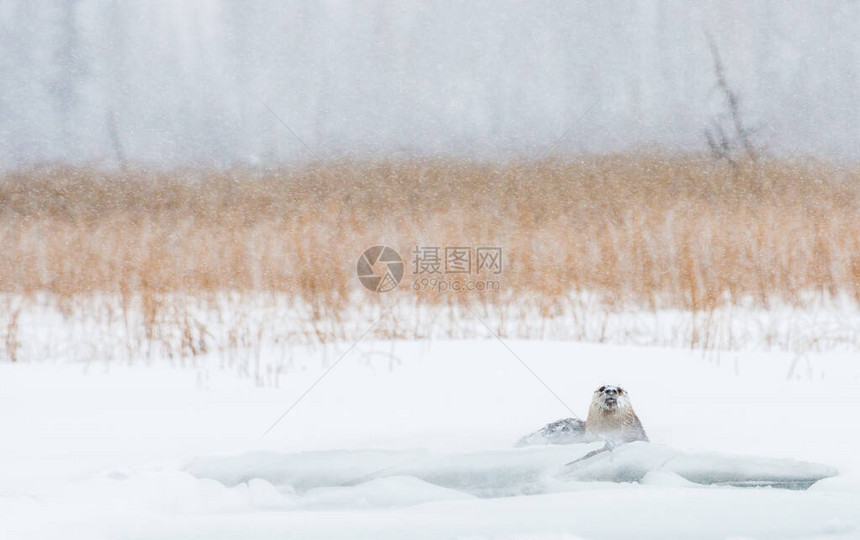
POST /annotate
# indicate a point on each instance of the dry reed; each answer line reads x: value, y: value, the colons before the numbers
x: 660, y: 231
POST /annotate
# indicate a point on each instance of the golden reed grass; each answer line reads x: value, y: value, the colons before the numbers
x: 657, y: 230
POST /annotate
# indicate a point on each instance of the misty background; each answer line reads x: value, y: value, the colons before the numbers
x: 187, y: 83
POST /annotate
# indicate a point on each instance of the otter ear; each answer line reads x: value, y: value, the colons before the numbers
x: 601, y: 389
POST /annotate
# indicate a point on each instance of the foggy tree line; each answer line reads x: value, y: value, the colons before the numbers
x: 162, y: 82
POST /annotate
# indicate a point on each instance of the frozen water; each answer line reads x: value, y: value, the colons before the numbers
x: 508, y: 473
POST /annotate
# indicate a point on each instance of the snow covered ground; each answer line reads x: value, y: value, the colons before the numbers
x: 414, y: 440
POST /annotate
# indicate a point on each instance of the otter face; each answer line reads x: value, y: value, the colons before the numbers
x: 610, y: 398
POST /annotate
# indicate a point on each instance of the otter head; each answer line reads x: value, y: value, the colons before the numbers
x: 611, y: 417
x: 609, y: 398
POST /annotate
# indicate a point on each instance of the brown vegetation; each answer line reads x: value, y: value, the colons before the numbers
x: 684, y: 232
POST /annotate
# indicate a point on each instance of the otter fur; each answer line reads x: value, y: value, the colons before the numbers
x: 610, y: 418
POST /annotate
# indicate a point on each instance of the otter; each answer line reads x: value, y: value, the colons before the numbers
x: 610, y: 418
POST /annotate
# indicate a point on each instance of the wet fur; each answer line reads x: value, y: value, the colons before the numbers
x: 611, y: 417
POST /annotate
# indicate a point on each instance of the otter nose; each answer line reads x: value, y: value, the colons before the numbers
x: 611, y: 391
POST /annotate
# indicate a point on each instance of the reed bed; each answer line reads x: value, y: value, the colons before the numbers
x: 652, y: 230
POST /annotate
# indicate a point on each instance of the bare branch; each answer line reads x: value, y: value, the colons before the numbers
x: 719, y: 143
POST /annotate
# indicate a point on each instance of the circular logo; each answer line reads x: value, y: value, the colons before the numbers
x: 379, y: 269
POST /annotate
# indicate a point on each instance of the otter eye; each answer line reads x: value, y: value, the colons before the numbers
x: 601, y: 389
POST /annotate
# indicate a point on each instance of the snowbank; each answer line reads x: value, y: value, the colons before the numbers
x: 101, y: 450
